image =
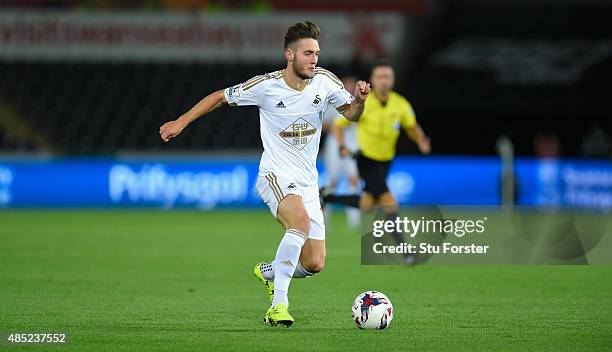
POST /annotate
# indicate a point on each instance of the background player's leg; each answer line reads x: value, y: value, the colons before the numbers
x: 331, y: 161
x: 367, y: 202
x: 391, y: 210
x: 388, y: 202
x: 326, y: 208
x: 353, y: 215
x: 293, y: 216
x: 351, y: 200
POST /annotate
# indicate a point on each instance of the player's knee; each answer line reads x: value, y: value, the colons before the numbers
x: 315, y: 266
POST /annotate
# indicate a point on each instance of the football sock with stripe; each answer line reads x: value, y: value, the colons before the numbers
x: 300, y: 272
x: 287, y: 257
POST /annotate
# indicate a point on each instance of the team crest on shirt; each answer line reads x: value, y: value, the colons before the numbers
x: 299, y: 133
x: 317, y: 100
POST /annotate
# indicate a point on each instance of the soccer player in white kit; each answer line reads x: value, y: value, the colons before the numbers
x: 291, y: 104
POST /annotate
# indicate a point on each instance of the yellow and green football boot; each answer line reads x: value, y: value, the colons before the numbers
x: 269, y: 284
x: 278, y: 315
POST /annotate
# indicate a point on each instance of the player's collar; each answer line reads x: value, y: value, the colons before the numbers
x: 308, y: 81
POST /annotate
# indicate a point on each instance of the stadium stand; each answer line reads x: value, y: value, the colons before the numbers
x: 105, y: 107
x: 101, y: 108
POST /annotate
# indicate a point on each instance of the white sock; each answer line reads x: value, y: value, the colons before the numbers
x: 353, y: 215
x: 353, y: 218
x: 287, y: 257
x: 267, y: 271
x: 300, y: 272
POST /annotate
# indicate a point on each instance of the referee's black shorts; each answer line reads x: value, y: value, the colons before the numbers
x: 374, y: 174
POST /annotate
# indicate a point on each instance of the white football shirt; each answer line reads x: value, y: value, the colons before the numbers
x: 290, y: 120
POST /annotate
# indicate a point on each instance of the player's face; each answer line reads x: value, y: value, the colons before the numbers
x: 303, y: 56
x: 382, y: 79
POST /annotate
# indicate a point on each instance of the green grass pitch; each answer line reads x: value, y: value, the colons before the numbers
x: 182, y: 280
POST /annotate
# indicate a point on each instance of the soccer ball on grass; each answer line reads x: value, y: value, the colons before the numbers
x: 372, y: 310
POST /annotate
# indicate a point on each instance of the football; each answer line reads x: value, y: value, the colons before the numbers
x: 372, y: 310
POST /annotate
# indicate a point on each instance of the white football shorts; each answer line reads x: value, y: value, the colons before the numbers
x: 273, y: 187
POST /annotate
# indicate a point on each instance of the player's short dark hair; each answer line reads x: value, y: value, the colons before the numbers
x: 301, y: 30
x: 380, y: 63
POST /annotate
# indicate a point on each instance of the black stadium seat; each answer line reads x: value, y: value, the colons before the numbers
x: 102, y: 108
x: 92, y: 108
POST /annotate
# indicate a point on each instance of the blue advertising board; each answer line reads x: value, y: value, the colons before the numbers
x: 205, y: 184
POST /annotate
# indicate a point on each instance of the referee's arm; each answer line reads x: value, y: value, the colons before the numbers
x: 416, y: 134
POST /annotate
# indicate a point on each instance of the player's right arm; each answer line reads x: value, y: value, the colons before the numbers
x: 247, y: 93
x: 173, y: 128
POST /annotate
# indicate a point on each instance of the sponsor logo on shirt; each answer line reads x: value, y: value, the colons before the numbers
x: 299, y: 133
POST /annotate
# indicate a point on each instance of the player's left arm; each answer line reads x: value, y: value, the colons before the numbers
x: 354, y: 110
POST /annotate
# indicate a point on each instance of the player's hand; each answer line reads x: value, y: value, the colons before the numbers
x: 362, y: 89
x: 425, y: 145
x: 344, y: 151
x: 170, y: 130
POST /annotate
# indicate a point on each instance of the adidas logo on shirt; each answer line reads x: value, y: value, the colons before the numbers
x: 280, y: 105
